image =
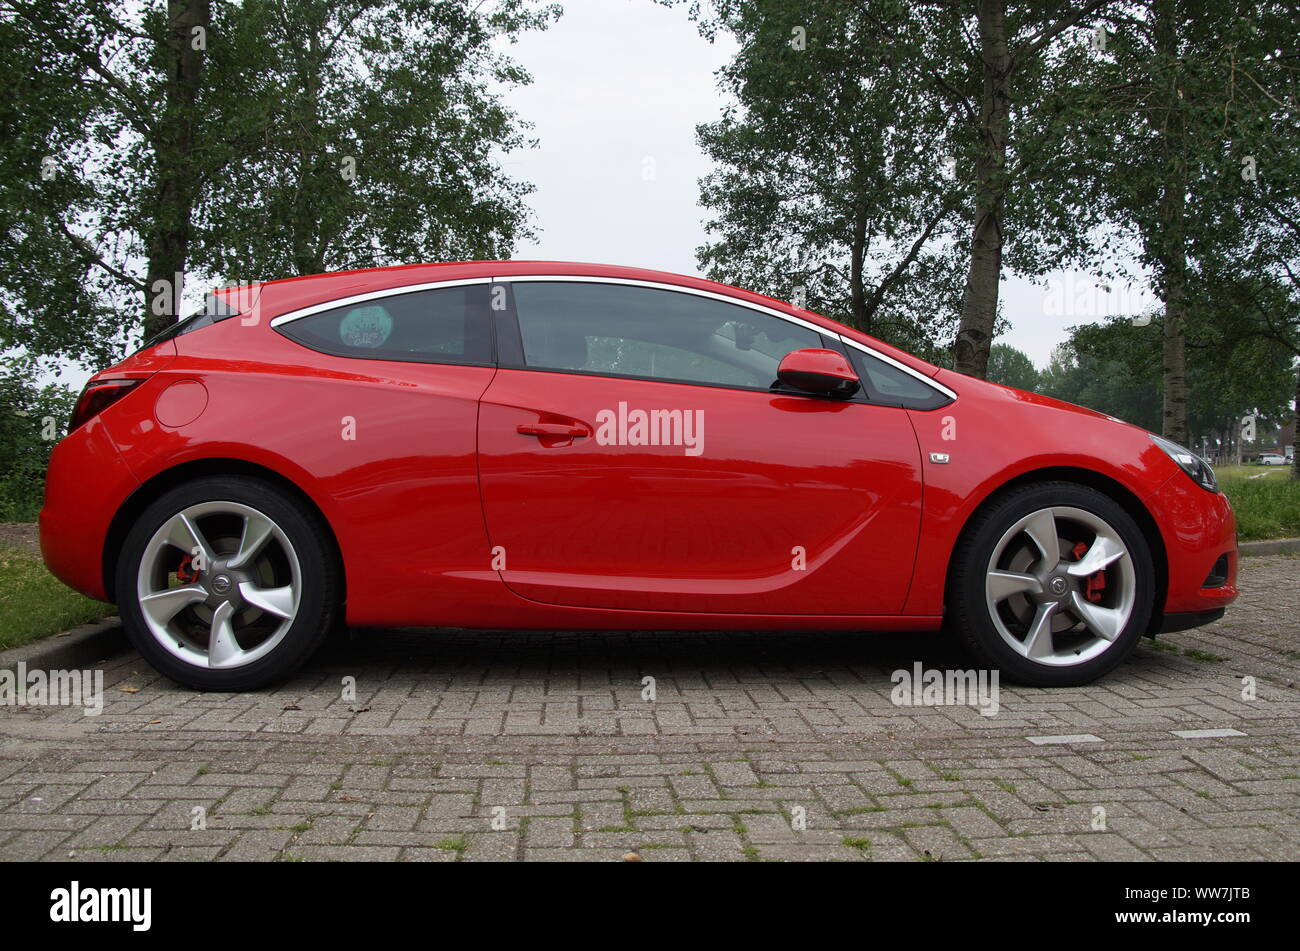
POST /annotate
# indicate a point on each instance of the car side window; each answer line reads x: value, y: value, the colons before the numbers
x: 887, y: 385
x: 442, y: 325
x: 624, y: 330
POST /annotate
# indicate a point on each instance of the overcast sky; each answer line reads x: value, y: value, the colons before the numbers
x: 618, y: 88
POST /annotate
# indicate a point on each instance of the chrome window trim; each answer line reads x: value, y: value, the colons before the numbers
x: 312, y: 309
x: 659, y: 285
x: 806, y: 324
x: 630, y: 282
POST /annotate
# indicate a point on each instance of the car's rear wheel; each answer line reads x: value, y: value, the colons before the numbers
x: 227, y: 583
x: 1052, y: 584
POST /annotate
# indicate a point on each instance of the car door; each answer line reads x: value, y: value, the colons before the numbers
x: 385, y: 413
x: 633, y: 455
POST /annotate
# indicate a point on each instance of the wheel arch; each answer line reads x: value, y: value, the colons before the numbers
x: 1117, y: 492
x: 184, y: 472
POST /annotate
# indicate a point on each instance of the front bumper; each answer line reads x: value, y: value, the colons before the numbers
x: 1173, y: 623
x: 1198, y: 529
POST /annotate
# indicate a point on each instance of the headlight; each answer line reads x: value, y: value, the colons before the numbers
x: 1189, y: 462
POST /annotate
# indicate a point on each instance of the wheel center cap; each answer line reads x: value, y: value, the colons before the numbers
x: 1058, y: 586
x: 221, y: 584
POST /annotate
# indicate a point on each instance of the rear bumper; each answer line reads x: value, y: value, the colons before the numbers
x: 1198, y: 529
x: 85, y: 485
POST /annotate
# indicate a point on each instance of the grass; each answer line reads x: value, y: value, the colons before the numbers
x: 1246, y: 471
x: 33, y: 603
x: 1265, y: 499
x: 860, y: 843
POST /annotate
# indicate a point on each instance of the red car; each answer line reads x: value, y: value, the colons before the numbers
x: 541, y: 445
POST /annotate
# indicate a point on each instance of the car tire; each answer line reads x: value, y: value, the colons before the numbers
x: 1050, y: 624
x: 248, y: 603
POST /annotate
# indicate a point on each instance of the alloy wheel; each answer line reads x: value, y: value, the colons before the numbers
x: 1060, y: 586
x: 219, y: 585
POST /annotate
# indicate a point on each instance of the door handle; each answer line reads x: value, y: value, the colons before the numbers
x: 563, y: 430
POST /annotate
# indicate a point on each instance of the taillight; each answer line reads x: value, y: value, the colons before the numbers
x: 98, y: 396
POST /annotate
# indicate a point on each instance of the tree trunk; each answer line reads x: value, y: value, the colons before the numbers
x: 1174, y: 364
x: 860, y: 319
x: 979, y: 304
x: 307, y: 258
x: 1170, y: 243
x: 175, y: 178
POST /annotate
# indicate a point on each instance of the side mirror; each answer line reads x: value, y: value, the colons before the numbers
x: 824, y: 372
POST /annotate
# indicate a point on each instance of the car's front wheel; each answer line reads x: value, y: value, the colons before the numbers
x: 227, y: 583
x: 1052, y: 584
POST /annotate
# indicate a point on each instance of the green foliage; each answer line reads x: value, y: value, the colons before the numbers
x: 1114, y: 367
x: 854, y: 160
x: 112, y: 175
x: 1191, y: 136
x: 57, y: 124
x: 374, y: 131
x: 1011, y: 367
x: 32, y: 420
x: 829, y: 188
x: 1104, y: 383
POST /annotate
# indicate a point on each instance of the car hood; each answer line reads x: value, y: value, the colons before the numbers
x: 963, y: 384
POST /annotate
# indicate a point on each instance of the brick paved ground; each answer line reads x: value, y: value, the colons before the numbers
x: 548, y: 736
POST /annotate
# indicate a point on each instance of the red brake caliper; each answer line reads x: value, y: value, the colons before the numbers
x: 186, y: 573
x: 1095, y: 582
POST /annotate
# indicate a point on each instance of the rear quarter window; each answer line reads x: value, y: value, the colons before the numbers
x: 443, y: 325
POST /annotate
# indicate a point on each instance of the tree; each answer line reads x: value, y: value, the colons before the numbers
x: 827, y: 189
x: 1011, y: 367
x: 142, y: 145
x: 384, y: 123
x: 1113, y: 367
x: 1057, y: 119
x: 173, y: 145
x: 1249, y: 278
x: 1100, y: 381
x: 1181, y: 87
x: 64, y: 287
x: 880, y: 155
x: 134, y: 81
x: 1024, y: 80
x: 1259, y: 312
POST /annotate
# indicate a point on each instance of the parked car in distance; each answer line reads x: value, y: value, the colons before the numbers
x: 567, y: 446
x: 1272, y: 459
